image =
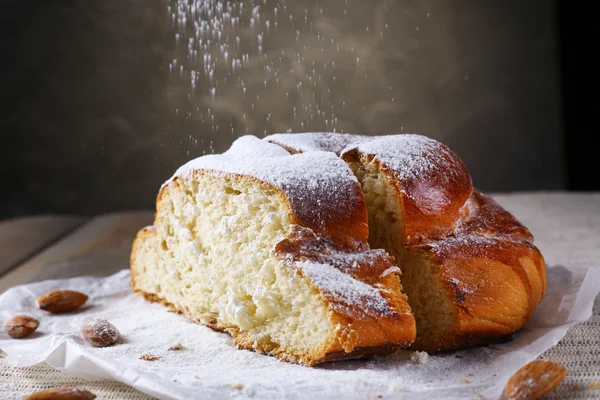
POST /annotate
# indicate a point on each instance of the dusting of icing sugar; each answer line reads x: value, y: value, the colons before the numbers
x: 313, y: 170
x: 341, y: 288
x: 244, y: 148
x: 390, y: 270
x: 467, y: 211
x: 349, y: 262
x: 524, y: 389
x: 318, y: 185
x: 316, y: 141
x: 251, y: 156
x: 396, y: 386
x: 251, y: 146
x: 426, y: 167
x: 409, y: 155
x: 348, y: 275
x: 355, y: 259
x: 99, y: 328
x: 474, y: 244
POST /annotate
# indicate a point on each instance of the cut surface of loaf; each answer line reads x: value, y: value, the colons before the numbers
x: 470, y: 270
x: 272, y: 248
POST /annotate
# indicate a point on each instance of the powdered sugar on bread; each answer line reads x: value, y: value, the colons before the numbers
x: 319, y: 186
x: 218, y: 255
x: 343, y: 290
x: 316, y: 141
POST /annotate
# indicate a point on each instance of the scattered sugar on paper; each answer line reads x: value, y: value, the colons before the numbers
x: 150, y: 329
x: 397, y: 385
x: 149, y: 357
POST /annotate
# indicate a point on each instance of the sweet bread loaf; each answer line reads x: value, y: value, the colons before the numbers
x: 272, y: 248
x: 470, y: 269
x: 321, y: 246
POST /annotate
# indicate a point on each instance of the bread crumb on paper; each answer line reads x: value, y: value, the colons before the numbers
x: 178, y: 346
x: 149, y: 357
x: 419, y: 357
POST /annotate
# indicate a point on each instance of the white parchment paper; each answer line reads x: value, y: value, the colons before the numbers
x: 209, y: 365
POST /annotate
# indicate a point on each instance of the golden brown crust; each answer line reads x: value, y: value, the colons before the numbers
x: 491, y: 299
x: 491, y: 271
x: 364, y: 323
x: 433, y: 200
x: 490, y: 218
x: 433, y: 195
x: 141, y: 236
x: 491, y: 232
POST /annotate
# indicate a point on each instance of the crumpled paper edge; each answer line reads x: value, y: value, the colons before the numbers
x: 581, y: 310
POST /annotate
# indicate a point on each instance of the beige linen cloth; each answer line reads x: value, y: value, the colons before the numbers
x: 567, y: 230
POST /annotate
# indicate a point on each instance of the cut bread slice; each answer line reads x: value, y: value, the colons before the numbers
x: 272, y: 248
x: 471, y: 272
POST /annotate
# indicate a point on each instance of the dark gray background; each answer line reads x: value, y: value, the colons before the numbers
x: 92, y: 120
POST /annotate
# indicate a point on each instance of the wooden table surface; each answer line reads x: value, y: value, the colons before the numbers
x: 566, y: 227
x: 45, y: 247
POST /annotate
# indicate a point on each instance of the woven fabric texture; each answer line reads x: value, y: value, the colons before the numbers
x: 567, y: 230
